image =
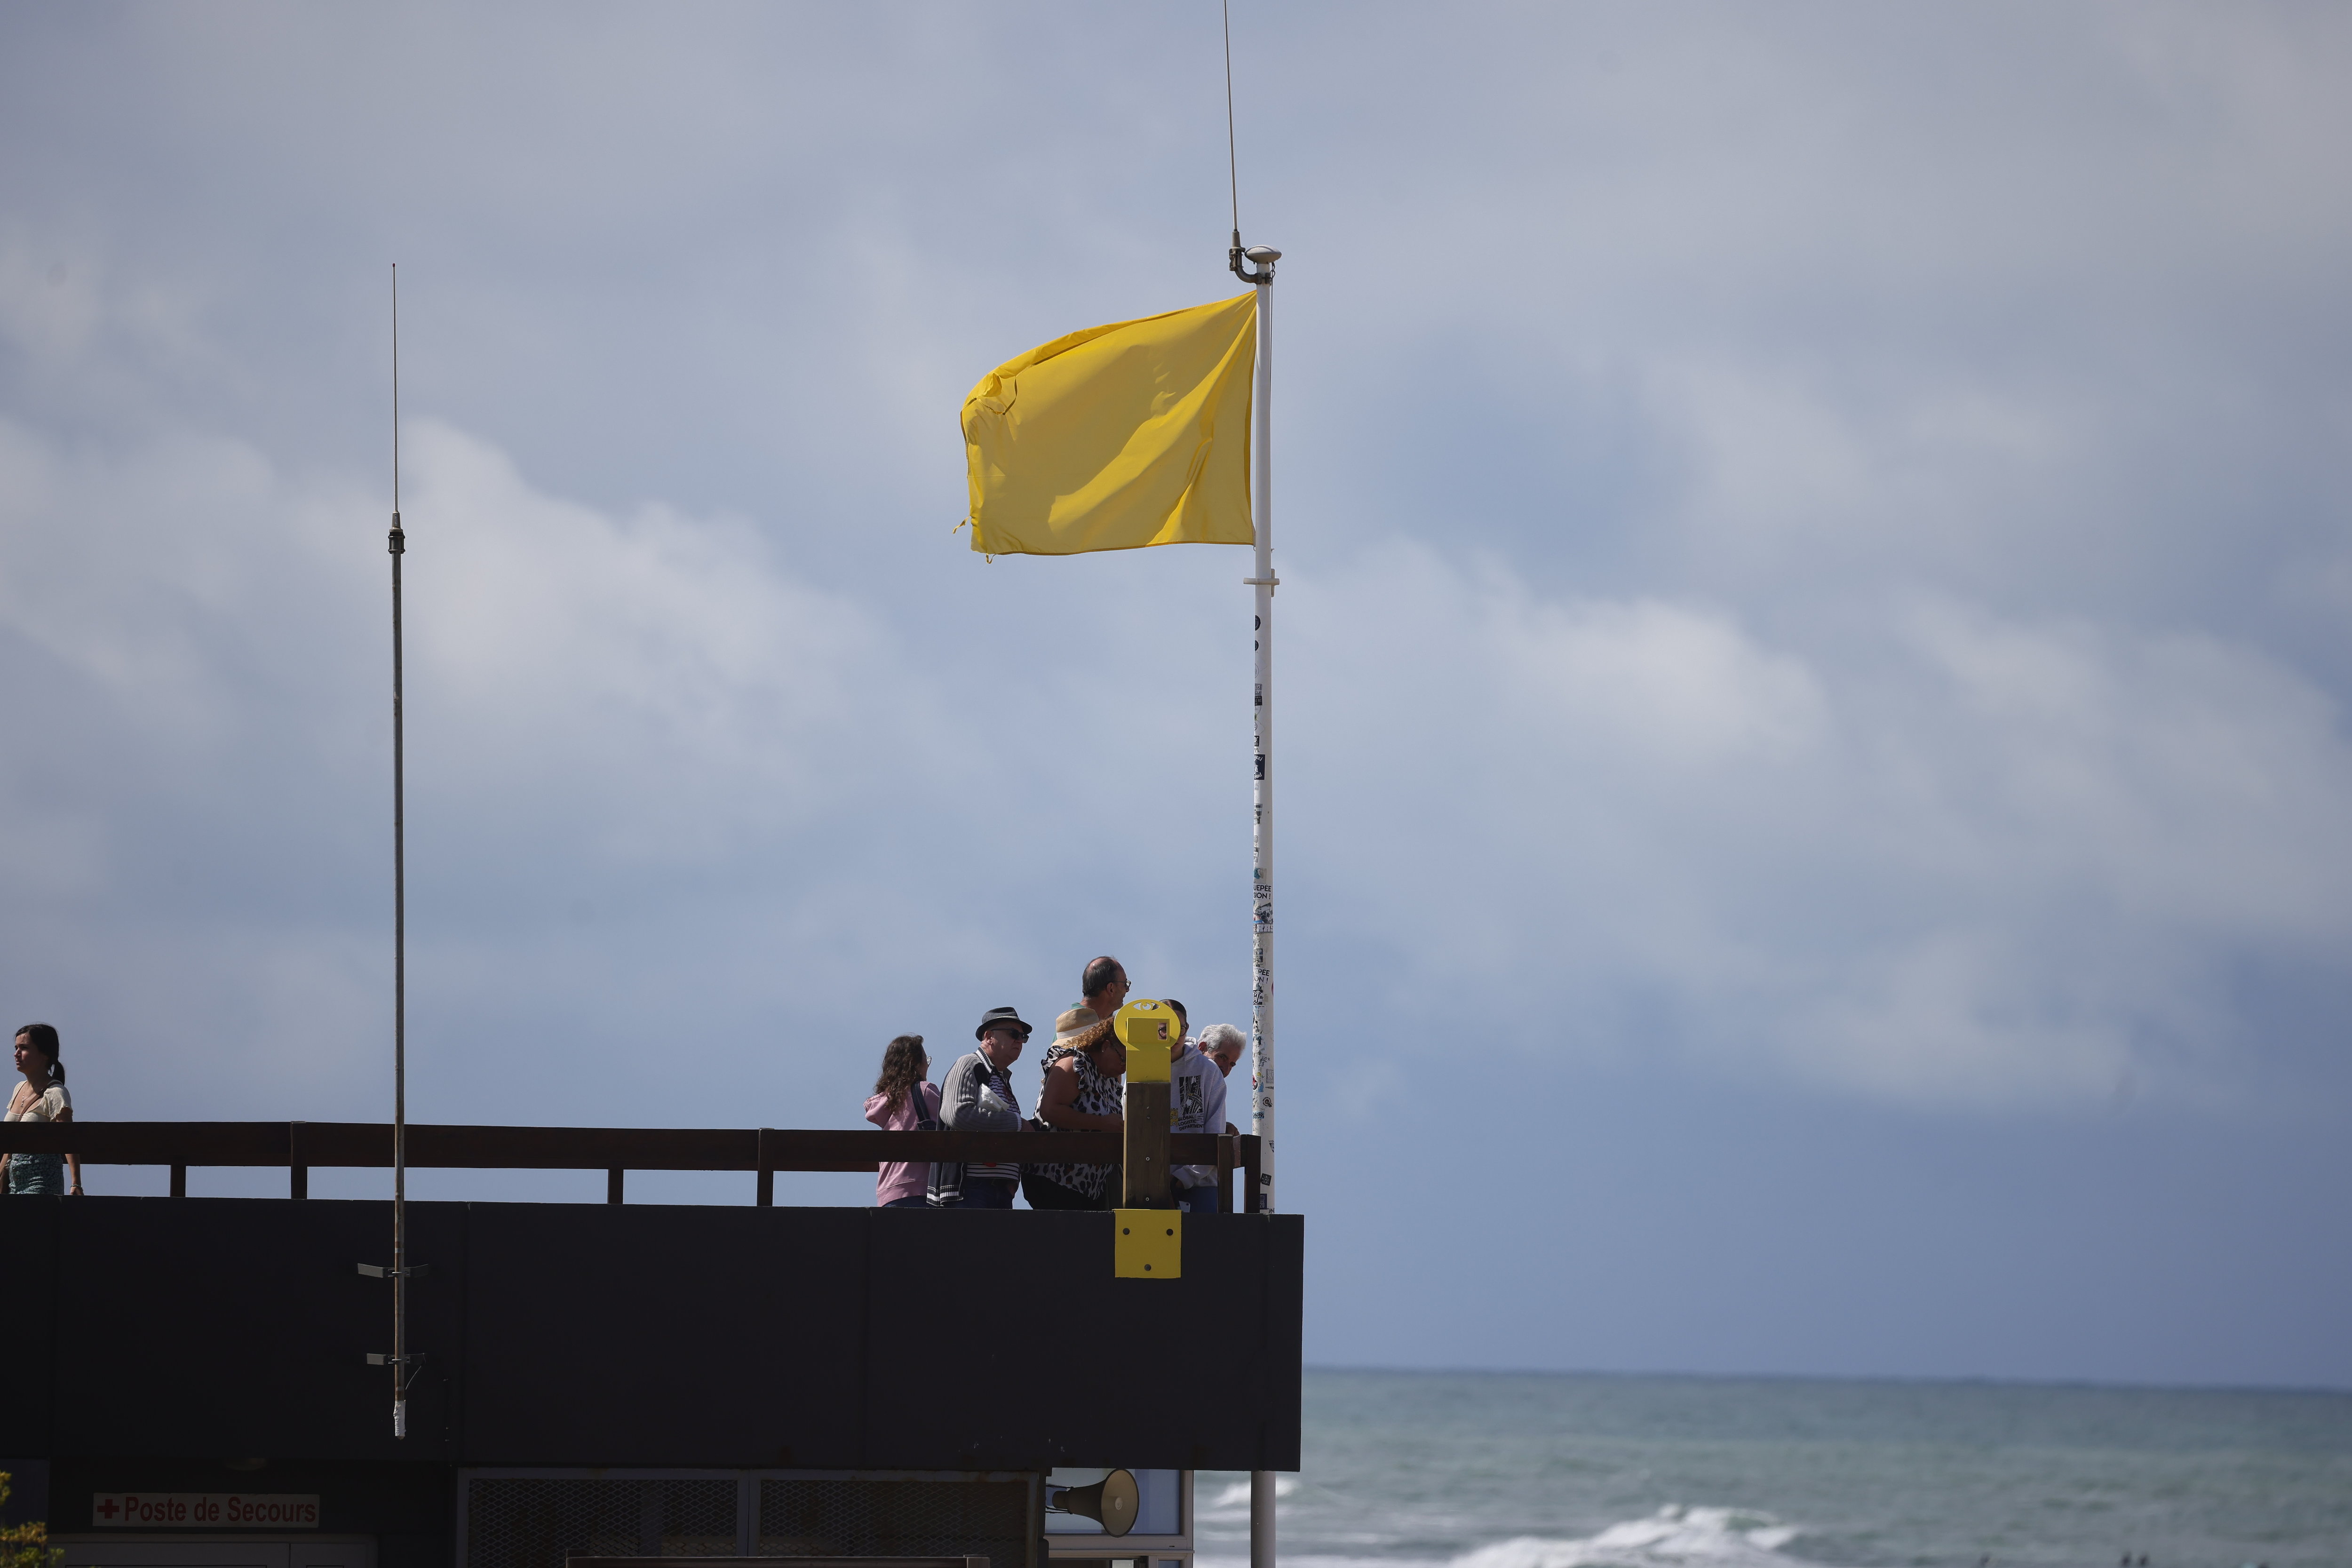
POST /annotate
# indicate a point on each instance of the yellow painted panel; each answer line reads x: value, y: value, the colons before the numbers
x: 1149, y: 1244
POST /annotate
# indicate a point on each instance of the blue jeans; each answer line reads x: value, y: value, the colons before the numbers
x: 1197, y: 1200
x: 986, y: 1194
x: 917, y: 1202
x: 36, y: 1176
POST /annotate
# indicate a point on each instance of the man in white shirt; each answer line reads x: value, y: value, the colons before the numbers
x: 1196, y: 1095
x: 1224, y: 1044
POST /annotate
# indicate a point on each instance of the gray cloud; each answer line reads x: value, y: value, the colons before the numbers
x: 1989, y: 860
x: 1813, y: 545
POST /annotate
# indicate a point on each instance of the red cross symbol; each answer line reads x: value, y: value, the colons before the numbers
x: 110, y: 1508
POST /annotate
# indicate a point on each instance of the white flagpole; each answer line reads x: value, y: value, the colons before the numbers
x: 1259, y: 274
x: 1262, y: 738
x: 1261, y: 1482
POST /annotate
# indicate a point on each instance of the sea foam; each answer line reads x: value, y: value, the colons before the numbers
x: 1236, y: 1495
x: 1675, y: 1535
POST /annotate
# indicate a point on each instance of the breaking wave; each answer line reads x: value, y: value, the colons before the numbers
x: 1674, y: 1537
x: 1237, y: 1494
x: 1731, y: 1537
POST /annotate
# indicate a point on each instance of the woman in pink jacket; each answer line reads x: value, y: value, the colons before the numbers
x: 901, y: 1102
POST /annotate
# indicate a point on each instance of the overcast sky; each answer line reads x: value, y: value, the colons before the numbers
x: 1815, y: 799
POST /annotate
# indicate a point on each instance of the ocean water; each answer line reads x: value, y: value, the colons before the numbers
x: 1508, y: 1470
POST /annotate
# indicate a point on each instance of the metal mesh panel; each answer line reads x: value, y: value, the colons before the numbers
x: 896, y: 1519
x: 537, y: 1522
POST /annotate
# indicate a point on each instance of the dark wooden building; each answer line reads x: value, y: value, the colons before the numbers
x: 187, y: 1383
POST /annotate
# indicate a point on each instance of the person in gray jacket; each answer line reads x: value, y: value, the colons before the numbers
x: 1197, y: 1100
x: 977, y: 1096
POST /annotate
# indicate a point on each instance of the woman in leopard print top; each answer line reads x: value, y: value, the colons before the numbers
x: 1082, y: 1094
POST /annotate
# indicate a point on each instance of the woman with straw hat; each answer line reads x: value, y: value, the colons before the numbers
x: 1082, y: 1094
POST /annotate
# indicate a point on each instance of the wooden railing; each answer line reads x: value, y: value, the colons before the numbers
x: 300, y: 1145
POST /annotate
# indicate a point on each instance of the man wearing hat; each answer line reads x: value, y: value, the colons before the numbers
x: 977, y: 1096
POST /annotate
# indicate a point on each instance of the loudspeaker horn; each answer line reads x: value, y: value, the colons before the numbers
x: 1110, y: 1502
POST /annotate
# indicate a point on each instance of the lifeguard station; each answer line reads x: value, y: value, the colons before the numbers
x: 196, y: 1382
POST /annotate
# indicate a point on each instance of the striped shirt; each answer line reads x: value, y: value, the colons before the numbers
x: 978, y: 1097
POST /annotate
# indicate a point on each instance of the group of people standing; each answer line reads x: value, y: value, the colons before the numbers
x: 1081, y: 1092
x: 40, y: 1098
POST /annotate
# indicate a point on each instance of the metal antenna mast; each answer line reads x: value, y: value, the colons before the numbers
x: 398, y: 544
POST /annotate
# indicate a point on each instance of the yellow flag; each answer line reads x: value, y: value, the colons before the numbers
x: 1118, y: 436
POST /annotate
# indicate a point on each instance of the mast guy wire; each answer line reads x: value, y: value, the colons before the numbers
x: 1233, y: 164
